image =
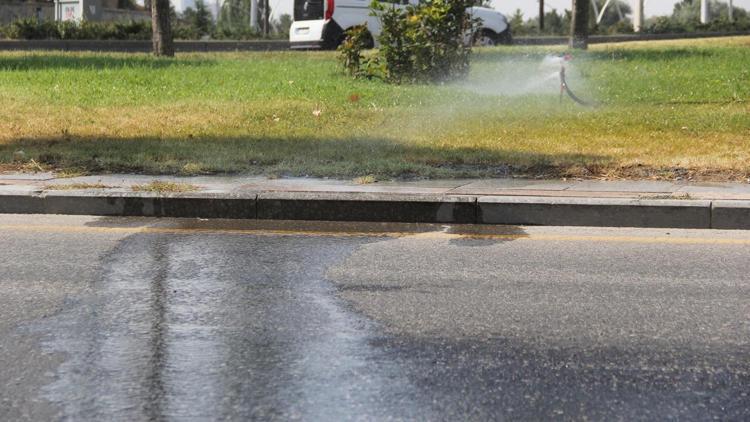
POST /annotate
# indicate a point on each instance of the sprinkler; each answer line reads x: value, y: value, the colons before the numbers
x: 564, y: 88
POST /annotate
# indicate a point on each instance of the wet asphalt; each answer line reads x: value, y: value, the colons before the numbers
x: 142, y: 319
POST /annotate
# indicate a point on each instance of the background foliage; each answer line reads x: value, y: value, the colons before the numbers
x: 191, y: 24
x: 427, y: 42
x: 684, y: 18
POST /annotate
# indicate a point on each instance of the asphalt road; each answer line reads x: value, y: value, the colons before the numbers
x: 143, y: 319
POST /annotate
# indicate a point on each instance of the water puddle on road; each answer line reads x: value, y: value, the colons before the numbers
x: 212, y: 326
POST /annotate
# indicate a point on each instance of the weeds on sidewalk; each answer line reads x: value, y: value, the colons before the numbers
x: 77, y: 186
x: 165, y: 187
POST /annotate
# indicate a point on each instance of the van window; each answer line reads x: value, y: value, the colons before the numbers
x: 307, y: 10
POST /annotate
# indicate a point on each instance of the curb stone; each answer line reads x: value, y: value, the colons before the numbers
x: 367, y: 207
x: 390, y: 207
x: 730, y: 215
x: 607, y: 212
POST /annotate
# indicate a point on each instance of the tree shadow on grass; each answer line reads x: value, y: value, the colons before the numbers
x: 70, y: 61
x: 293, y: 156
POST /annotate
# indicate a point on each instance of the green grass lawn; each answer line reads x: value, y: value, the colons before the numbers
x: 666, y: 110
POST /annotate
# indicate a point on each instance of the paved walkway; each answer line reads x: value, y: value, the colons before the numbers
x: 40, y: 182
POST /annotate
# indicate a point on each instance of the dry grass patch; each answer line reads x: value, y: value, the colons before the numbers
x: 365, y: 180
x: 77, y: 186
x: 165, y: 187
x: 661, y: 44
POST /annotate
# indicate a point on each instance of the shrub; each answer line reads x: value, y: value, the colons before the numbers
x: 350, y: 51
x: 427, y: 42
x: 32, y: 29
x: 685, y: 18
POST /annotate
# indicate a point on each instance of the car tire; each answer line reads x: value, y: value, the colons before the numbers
x: 505, y: 38
x: 485, y: 38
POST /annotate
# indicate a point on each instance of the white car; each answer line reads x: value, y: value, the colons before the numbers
x: 322, y: 23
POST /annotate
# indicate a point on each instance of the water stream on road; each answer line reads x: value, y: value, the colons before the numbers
x: 221, y: 327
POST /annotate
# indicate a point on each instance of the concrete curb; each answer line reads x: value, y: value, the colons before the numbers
x: 367, y: 207
x: 611, y: 212
x: 730, y: 215
x: 132, y: 205
x: 389, y: 207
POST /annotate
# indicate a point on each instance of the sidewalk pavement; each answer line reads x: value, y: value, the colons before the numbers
x: 488, y: 201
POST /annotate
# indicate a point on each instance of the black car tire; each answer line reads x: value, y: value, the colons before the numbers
x: 485, y: 38
x: 505, y: 37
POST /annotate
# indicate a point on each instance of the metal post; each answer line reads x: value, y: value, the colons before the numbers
x: 637, y: 15
x: 600, y: 14
x: 596, y: 9
x: 619, y: 10
x: 704, y: 12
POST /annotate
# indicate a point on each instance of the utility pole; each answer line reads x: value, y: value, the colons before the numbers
x: 704, y: 12
x: 579, y: 27
x: 637, y: 15
x: 730, y: 11
x: 541, y: 15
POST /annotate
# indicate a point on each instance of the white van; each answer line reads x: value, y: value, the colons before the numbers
x: 322, y: 23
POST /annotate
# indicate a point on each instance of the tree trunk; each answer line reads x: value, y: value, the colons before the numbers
x: 541, y: 15
x: 579, y: 27
x: 162, y: 30
x: 266, y: 18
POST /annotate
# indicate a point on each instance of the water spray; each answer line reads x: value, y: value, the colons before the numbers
x: 564, y: 88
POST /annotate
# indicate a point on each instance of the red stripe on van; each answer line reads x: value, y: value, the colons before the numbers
x: 329, y: 9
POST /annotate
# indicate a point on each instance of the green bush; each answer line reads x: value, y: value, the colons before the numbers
x: 32, y: 29
x: 350, y: 50
x: 427, y: 42
x: 685, y: 18
x: 190, y: 25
